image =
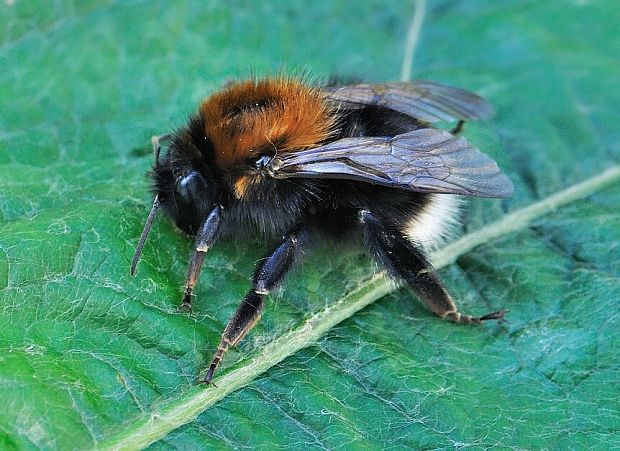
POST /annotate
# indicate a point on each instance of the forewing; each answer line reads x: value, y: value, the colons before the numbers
x: 426, y: 160
x: 424, y: 100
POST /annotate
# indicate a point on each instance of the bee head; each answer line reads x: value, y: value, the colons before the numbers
x: 184, y: 181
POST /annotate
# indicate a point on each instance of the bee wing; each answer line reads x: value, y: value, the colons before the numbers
x: 425, y: 160
x: 424, y: 100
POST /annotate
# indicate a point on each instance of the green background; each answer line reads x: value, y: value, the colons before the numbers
x: 86, y: 350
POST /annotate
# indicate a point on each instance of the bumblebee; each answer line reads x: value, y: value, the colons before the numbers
x: 283, y: 159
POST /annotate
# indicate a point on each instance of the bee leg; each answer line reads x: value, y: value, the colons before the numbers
x: 458, y: 128
x: 405, y: 260
x: 156, y: 142
x: 207, y: 233
x: 268, y: 274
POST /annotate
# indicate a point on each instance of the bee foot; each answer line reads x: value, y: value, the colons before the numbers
x: 499, y: 316
x: 185, y: 307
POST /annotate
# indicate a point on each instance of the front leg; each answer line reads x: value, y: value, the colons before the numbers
x: 268, y: 274
x: 207, y: 233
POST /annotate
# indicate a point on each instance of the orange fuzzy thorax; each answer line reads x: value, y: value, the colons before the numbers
x: 251, y: 118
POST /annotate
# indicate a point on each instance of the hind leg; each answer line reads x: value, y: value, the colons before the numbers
x: 406, y: 261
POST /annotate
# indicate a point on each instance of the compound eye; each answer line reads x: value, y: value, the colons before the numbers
x: 189, y: 186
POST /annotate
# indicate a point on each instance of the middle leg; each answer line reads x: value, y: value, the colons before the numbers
x: 268, y: 274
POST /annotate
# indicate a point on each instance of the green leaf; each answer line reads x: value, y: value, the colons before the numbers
x: 91, y: 357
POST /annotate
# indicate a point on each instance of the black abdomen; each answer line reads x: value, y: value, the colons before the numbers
x: 375, y: 121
